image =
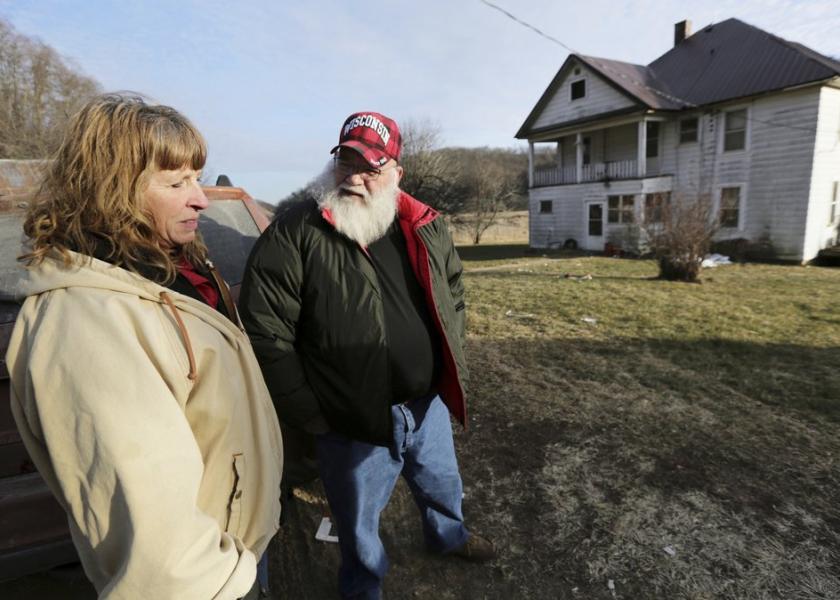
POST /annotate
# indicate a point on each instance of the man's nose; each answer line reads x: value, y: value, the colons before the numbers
x: 355, y: 178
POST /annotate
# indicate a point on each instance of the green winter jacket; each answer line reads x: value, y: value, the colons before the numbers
x: 311, y: 303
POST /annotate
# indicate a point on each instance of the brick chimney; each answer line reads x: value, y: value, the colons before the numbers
x: 681, y: 31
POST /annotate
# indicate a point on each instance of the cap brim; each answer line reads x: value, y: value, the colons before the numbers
x: 374, y: 156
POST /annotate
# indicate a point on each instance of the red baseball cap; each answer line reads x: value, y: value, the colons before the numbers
x: 374, y: 136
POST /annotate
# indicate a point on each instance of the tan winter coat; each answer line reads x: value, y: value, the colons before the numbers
x: 171, y: 485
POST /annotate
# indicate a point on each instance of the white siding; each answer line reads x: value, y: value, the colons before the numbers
x: 569, y: 151
x: 600, y: 98
x: 569, y: 202
x: 781, y: 151
x: 552, y: 229
x: 774, y: 171
x: 621, y: 143
x: 683, y: 160
x: 819, y: 232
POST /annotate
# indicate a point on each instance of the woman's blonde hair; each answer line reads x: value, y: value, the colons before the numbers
x: 90, y: 200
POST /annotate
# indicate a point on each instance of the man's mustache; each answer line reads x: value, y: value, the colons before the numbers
x: 351, y: 189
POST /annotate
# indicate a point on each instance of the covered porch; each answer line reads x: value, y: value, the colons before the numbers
x: 620, y: 151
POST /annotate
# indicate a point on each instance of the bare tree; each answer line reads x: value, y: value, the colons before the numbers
x: 679, y: 232
x: 474, y: 184
x: 38, y: 92
x: 429, y: 175
x: 489, y: 190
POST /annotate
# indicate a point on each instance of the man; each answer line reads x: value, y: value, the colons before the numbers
x: 354, y: 303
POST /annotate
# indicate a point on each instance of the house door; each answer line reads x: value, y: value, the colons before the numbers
x: 595, y: 226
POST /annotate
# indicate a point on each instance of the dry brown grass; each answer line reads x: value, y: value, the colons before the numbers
x: 683, y: 445
x: 510, y: 228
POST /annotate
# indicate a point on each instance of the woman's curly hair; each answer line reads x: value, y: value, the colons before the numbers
x: 91, y: 197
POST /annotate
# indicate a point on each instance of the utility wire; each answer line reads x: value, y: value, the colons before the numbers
x: 685, y: 103
x: 529, y: 26
x: 652, y: 90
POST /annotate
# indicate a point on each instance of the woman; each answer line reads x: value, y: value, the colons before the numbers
x: 133, y: 386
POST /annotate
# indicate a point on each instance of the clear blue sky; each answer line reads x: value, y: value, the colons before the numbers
x: 269, y: 82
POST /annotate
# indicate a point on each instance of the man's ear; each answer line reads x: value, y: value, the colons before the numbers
x: 399, y: 171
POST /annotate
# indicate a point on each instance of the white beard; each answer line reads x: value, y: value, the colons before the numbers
x: 362, y: 219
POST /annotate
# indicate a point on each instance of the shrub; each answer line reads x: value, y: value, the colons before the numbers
x: 681, y: 236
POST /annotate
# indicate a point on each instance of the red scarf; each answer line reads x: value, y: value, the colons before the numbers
x: 199, y: 282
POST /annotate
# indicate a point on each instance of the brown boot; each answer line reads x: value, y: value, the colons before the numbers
x: 477, y: 548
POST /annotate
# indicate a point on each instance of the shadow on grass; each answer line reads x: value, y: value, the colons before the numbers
x: 791, y: 377
x: 584, y: 459
x: 597, y: 455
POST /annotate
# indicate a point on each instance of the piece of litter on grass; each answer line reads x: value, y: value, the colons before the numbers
x: 590, y: 320
x: 323, y: 533
x: 714, y: 260
x: 670, y: 550
x: 611, y: 585
x: 518, y: 315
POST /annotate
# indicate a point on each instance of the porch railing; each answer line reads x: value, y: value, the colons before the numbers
x: 619, y: 169
x: 554, y: 175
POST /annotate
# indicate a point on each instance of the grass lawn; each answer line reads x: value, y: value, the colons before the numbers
x: 628, y: 438
x: 635, y: 438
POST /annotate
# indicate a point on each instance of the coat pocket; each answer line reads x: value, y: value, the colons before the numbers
x: 235, y: 503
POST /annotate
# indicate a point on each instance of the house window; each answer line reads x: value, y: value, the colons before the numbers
x: 655, y: 205
x: 545, y: 206
x: 835, y: 204
x: 730, y: 207
x: 735, y: 130
x: 587, y: 150
x: 620, y: 209
x: 578, y: 89
x: 688, y: 130
x: 652, y: 148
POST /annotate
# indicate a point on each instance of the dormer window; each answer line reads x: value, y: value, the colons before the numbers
x: 578, y: 89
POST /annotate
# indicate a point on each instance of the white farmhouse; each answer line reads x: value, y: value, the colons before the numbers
x: 731, y: 113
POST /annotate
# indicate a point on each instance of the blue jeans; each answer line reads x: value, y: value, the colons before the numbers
x: 359, y: 479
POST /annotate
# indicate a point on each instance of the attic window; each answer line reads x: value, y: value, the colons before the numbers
x: 578, y: 89
x: 577, y: 70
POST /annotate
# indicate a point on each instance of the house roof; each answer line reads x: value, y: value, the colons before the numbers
x: 733, y: 59
x: 720, y: 62
x: 638, y: 81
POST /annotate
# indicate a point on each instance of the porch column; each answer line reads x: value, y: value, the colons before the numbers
x: 560, y: 154
x: 579, y: 156
x: 641, y: 159
x: 530, y: 164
